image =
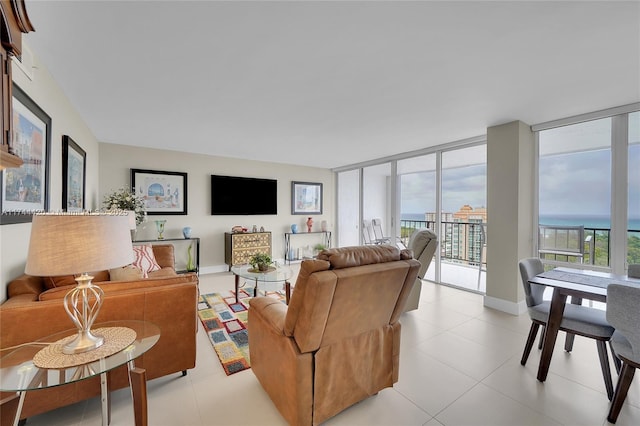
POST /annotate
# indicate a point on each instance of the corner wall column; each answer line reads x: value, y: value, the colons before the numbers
x: 510, y: 207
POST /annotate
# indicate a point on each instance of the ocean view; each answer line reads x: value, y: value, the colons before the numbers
x: 598, y: 222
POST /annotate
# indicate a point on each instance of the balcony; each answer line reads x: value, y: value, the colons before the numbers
x: 463, y: 249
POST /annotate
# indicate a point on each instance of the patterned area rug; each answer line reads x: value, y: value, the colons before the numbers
x: 225, y: 322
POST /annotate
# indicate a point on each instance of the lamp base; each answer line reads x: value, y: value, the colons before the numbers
x: 82, y: 305
x: 84, y: 341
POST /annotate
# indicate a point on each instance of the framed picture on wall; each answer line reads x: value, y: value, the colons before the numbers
x: 74, y: 167
x: 163, y: 192
x: 306, y: 198
x: 25, y: 189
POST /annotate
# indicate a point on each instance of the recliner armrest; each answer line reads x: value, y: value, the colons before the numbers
x: 271, y: 310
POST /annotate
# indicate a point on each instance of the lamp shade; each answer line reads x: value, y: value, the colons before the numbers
x: 67, y: 244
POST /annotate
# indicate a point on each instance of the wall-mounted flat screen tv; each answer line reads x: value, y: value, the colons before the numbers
x: 234, y: 195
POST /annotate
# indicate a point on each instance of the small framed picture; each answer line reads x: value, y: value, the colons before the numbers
x: 163, y: 192
x: 306, y: 198
x: 74, y: 167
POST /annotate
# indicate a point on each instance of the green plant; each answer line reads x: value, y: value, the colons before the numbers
x: 319, y: 247
x: 125, y: 199
x: 260, y: 261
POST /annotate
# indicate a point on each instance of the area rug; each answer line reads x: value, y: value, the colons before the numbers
x: 225, y: 322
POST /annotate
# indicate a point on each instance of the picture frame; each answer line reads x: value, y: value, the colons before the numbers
x: 24, y: 190
x: 306, y: 198
x: 74, y: 175
x: 164, y: 193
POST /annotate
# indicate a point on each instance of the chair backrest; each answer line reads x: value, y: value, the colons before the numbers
x: 423, y: 244
x: 376, y: 224
x: 349, y: 291
x: 367, y: 238
x: 533, y: 292
x: 634, y: 271
x: 623, y: 314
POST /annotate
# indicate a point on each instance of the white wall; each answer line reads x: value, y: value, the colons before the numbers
x: 14, y: 239
x: 116, y: 162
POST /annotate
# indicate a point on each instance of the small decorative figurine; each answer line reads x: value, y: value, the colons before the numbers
x: 262, y: 229
x: 309, y: 224
x: 254, y: 228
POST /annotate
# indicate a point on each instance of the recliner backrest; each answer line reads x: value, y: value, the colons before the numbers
x: 533, y: 292
x: 423, y: 243
x: 348, y: 291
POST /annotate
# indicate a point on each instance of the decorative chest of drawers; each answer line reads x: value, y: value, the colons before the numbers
x: 239, y: 247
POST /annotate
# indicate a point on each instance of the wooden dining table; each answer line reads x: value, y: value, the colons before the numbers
x: 579, y: 284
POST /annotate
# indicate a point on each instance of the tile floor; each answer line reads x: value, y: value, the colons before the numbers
x: 460, y: 365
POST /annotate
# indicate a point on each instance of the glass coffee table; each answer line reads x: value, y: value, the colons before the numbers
x: 273, y: 275
x: 19, y: 373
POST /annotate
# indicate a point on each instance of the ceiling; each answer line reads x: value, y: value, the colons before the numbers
x: 331, y: 83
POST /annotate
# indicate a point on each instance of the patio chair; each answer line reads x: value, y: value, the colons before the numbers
x: 376, y: 224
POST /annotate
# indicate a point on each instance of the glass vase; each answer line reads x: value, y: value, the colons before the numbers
x: 160, y: 227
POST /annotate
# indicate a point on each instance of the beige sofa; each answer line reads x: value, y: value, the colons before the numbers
x: 338, y: 341
x: 166, y: 299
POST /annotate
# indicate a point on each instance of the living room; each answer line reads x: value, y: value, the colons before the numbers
x: 109, y: 166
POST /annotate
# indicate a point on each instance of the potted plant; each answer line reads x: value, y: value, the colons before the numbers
x: 260, y: 261
x: 318, y: 248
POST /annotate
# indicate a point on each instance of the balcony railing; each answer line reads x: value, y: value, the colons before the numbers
x: 465, y: 243
x: 460, y: 242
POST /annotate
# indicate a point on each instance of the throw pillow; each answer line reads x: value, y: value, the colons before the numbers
x: 144, y: 259
x: 126, y: 273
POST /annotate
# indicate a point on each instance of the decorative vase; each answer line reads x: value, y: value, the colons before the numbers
x: 294, y: 228
x: 160, y: 227
x: 323, y: 226
x: 186, y: 232
x: 309, y: 224
x: 190, y: 266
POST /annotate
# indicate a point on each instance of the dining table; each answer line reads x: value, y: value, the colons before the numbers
x: 579, y: 284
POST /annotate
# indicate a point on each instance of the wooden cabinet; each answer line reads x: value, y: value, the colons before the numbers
x: 239, y: 247
x: 14, y: 21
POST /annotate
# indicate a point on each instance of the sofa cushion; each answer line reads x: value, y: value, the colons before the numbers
x: 65, y: 280
x: 125, y: 273
x: 144, y: 259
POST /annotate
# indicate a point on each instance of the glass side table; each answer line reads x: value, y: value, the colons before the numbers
x: 18, y: 373
x: 273, y: 275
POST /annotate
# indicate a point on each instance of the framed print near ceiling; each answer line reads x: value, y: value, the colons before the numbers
x: 25, y: 189
x: 306, y: 198
x: 163, y: 192
x: 74, y: 167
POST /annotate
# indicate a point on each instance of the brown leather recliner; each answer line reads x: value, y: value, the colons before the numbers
x: 423, y: 243
x: 338, y: 341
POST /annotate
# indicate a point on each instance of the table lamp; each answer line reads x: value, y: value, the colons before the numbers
x: 75, y: 244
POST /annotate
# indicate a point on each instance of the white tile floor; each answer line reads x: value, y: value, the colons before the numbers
x: 460, y: 365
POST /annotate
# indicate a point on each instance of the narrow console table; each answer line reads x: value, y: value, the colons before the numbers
x: 290, y: 254
x: 182, y: 258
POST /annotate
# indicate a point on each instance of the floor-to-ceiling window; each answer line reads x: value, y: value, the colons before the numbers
x: 588, y: 192
x: 633, y: 207
x: 418, y: 198
x: 349, y: 207
x: 464, y: 216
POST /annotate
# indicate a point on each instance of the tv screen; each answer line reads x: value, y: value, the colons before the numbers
x: 234, y: 195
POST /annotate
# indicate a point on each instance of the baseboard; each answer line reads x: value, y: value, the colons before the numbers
x: 509, y: 307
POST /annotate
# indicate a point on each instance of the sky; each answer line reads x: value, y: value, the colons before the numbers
x: 570, y: 183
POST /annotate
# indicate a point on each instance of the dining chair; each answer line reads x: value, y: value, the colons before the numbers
x: 634, y: 270
x: 577, y: 319
x: 623, y: 314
